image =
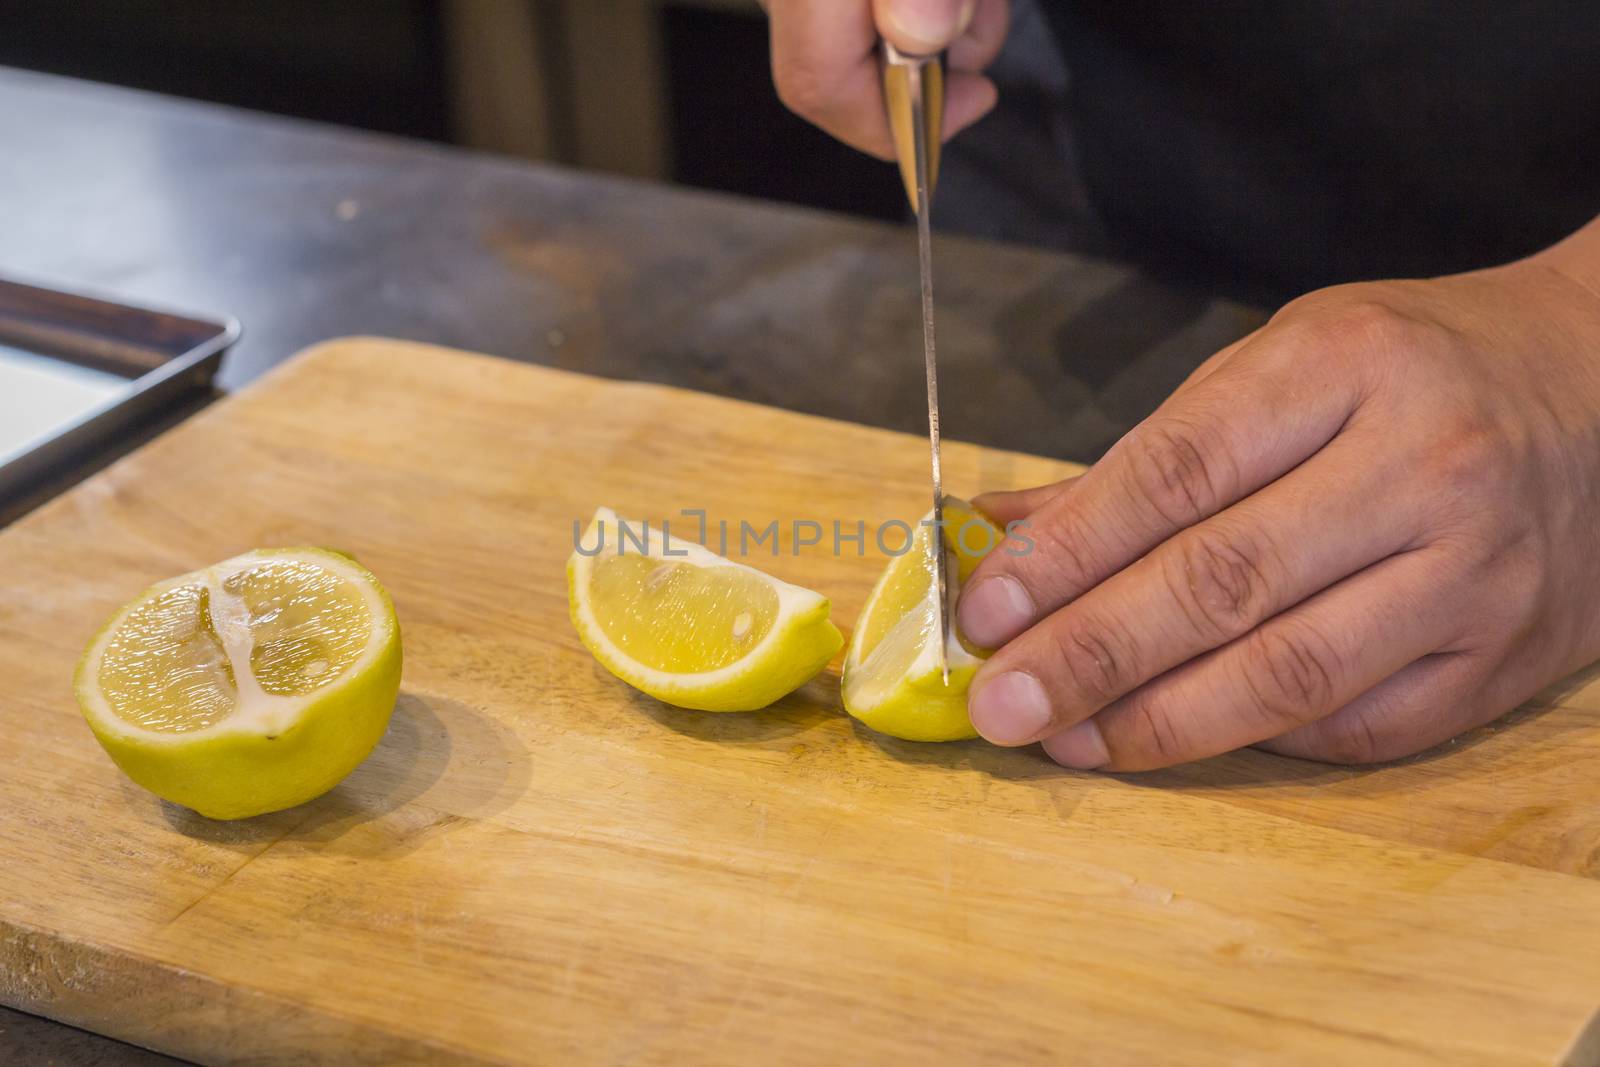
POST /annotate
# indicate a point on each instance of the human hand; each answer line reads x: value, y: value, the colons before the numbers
x: 825, y: 60
x: 1367, y: 527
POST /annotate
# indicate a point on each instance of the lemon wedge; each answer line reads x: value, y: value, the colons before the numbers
x: 689, y: 627
x: 249, y: 686
x: 893, y: 678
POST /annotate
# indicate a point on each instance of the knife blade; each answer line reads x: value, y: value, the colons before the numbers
x: 913, y: 89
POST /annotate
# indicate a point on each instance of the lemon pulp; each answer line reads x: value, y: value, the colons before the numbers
x: 642, y: 603
x: 894, y: 680
x: 168, y: 668
x: 249, y: 686
x: 689, y: 627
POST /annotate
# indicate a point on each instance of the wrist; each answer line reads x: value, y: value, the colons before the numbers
x: 1576, y: 258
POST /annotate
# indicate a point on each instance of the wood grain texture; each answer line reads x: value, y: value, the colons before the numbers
x: 539, y: 865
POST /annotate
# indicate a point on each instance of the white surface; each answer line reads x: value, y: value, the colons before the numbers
x: 39, y: 395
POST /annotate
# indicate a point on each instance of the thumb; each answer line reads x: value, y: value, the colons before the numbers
x: 922, y: 26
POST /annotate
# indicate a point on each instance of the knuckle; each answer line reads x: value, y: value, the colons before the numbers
x: 1327, y: 300
x: 1377, y: 323
x: 1290, y: 673
x: 1523, y: 590
x: 1176, y: 469
x: 1498, y: 581
x: 1474, y: 456
x: 1312, y: 322
x: 1464, y: 564
x: 1467, y: 463
x: 1222, y: 584
x: 1305, y: 324
x: 1058, y: 554
x: 1157, y: 733
x: 1354, y: 323
x: 1102, y: 665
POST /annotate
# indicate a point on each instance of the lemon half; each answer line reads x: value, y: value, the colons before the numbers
x: 681, y: 623
x: 893, y: 678
x: 249, y: 686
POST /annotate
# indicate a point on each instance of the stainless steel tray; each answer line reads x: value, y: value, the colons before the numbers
x: 80, y: 374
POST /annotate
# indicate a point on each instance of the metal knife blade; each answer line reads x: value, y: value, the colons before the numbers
x: 914, y: 91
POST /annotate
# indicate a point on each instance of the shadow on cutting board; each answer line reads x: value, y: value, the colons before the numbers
x: 1480, y: 751
x: 800, y: 711
x: 488, y: 768
x: 1008, y: 764
x: 1535, y: 733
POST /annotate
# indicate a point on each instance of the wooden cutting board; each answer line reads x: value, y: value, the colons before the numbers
x: 539, y: 865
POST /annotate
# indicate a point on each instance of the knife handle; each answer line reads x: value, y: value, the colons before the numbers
x: 907, y: 79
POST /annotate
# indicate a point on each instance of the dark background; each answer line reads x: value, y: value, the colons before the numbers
x: 384, y: 66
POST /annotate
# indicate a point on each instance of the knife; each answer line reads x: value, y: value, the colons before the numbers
x: 913, y: 89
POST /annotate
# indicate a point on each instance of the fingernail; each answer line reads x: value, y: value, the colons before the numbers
x: 994, y: 611
x: 930, y: 25
x: 1080, y: 747
x: 1011, y: 709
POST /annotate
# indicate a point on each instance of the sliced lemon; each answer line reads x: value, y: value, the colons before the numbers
x: 893, y: 678
x: 681, y: 623
x: 249, y: 686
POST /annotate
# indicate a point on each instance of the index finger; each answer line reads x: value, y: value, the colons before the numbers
x: 1278, y: 401
x: 825, y: 66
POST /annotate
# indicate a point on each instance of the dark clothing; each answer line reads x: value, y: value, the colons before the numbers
x: 1276, y: 147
